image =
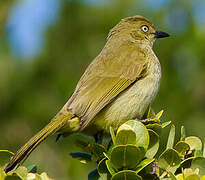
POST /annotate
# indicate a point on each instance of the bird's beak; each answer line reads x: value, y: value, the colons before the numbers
x: 160, y: 34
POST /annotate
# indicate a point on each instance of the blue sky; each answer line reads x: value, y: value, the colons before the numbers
x: 29, y: 19
x: 27, y: 23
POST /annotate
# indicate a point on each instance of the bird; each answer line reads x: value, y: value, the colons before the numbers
x: 118, y: 85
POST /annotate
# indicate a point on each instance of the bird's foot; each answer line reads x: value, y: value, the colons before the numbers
x: 149, y: 120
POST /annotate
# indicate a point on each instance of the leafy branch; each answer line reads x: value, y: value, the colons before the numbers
x: 132, y: 154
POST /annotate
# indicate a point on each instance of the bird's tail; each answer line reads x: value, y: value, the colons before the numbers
x: 59, y: 121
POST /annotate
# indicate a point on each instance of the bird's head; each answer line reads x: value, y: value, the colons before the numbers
x: 138, y: 28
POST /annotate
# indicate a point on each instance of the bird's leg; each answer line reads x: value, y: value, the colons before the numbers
x: 58, y: 137
x: 99, y: 137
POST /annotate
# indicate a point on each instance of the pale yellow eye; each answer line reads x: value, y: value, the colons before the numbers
x: 145, y: 28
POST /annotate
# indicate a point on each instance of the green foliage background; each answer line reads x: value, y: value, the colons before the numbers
x: 31, y: 92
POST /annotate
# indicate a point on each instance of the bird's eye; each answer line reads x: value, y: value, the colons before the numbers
x: 145, y: 28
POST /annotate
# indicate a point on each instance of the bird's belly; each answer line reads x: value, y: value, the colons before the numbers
x: 130, y: 104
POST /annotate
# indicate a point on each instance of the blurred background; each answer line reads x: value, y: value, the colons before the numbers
x: 45, y: 46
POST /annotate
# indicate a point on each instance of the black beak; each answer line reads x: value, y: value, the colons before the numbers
x: 160, y: 34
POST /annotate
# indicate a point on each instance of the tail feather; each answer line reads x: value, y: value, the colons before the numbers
x: 21, y: 155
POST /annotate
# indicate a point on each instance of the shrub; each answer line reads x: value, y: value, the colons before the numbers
x: 132, y: 154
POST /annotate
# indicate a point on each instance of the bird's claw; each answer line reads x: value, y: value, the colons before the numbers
x: 149, y: 120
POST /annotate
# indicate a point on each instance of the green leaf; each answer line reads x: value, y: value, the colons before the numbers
x: 155, y: 127
x: 165, y: 124
x: 110, y: 167
x: 150, y: 177
x: 204, y: 149
x: 179, y: 177
x: 126, y: 175
x: 34, y: 176
x: 183, y: 133
x: 153, y: 144
x: 22, y: 172
x: 143, y: 164
x: 103, y: 170
x: 192, y: 177
x: 5, y: 156
x: 181, y: 147
x: 187, y: 162
x: 199, y: 162
x: 126, y: 156
x: 203, y: 178
x: 82, y: 156
x: 83, y: 142
x: 198, y: 153
x: 97, y: 150
x: 150, y: 112
x: 169, y: 160
x: 189, y: 171
x: 194, y: 142
x: 2, y: 174
x: 159, y: 114
x: 44, y: 176
x: 107, y: 155
x: 12, y: 178
x: 125, y: 135
x: 112, y: 133
x: 142, y: 135
x: 170, y: 142
x: 172, y: 176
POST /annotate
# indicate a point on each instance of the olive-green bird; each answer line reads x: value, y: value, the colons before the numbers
x: 120, y: 84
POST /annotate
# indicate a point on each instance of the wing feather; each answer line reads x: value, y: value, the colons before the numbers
x: 111, y: 75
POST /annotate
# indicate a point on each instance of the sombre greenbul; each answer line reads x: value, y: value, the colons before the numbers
x: 119, y: 85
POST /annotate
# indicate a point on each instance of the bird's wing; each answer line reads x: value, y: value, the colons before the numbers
x: 104, y: 79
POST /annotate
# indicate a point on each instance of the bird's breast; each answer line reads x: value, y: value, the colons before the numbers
x: 133, y: 102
